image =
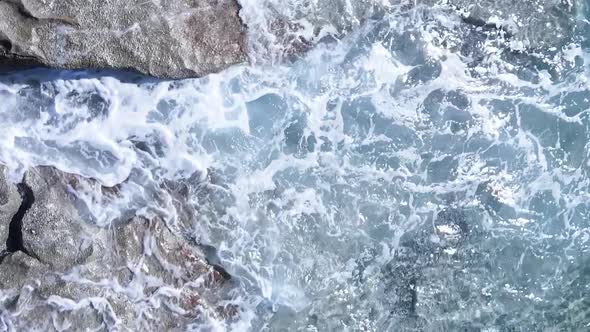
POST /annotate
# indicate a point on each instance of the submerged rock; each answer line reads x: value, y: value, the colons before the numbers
x: 420, y: 250
x: 534, y: 23
x: 530, y: 24
x: 171, y: 39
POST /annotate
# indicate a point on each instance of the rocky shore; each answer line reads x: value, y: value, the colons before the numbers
x: 168, y: 39
x: 59, y: 271
x: 187, y: 38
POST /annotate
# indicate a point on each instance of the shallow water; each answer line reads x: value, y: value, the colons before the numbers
x: 419, y: 172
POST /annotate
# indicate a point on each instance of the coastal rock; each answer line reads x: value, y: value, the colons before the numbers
x: 64, y: 272
x: 52, y: 230
x: 10, y: 202
x: 170, y: 39
x: 150, y: 243
x: 428, y: 247
x: 17, y: 268
x: 149, y: 246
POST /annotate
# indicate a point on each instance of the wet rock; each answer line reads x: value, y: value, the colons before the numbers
x: 10, y: 202
x: 35, y: 312
x: 180, y: 192
x: 39, y: 296
x: 52, y: 230
x: 17, y: 268
x: 151, y: 261
x: 172, y: 39
x: 65, y: 273
x: 163, y: 253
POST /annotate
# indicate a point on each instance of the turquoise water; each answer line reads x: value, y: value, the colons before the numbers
x: 419, y: 173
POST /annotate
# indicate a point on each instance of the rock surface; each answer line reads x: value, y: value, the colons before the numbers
x: 190, y: 38
x: 63, y: 272
x: 171, y: 39
x: 52, y: 230
x: 10, y: 202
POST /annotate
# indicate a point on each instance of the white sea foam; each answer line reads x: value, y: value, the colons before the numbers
x: 328, y: 163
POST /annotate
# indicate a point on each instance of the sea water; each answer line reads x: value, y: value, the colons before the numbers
x: 410, y: 169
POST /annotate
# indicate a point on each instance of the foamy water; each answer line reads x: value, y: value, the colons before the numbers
x: 420, y: 173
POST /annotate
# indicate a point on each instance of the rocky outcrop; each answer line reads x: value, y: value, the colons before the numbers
x: 60, y: 271
x: 52, y: 230
x: 10, y: 202
x: 171, y: 39
x: 190, y: 38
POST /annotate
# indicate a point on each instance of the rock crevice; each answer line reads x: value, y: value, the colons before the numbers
x: 14, y: 242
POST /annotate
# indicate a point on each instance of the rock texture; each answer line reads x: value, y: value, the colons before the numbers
x: 171, y: 39
x: 10, y: 202
x: 52, y: 231
x: 60, y: 271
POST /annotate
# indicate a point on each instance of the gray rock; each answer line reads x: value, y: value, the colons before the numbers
x: 10, y: 202
x: 39, y: 306
x: 17, y: 269
x: 52, y: 230
x: 69, y: 274
x: 146, y: 254
x: 171, y: 39
x: 165, y: 254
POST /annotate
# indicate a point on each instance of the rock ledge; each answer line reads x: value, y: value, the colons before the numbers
x: 168, y: 39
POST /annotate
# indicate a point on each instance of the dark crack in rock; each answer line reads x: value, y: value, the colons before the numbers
x: 10, y: 202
